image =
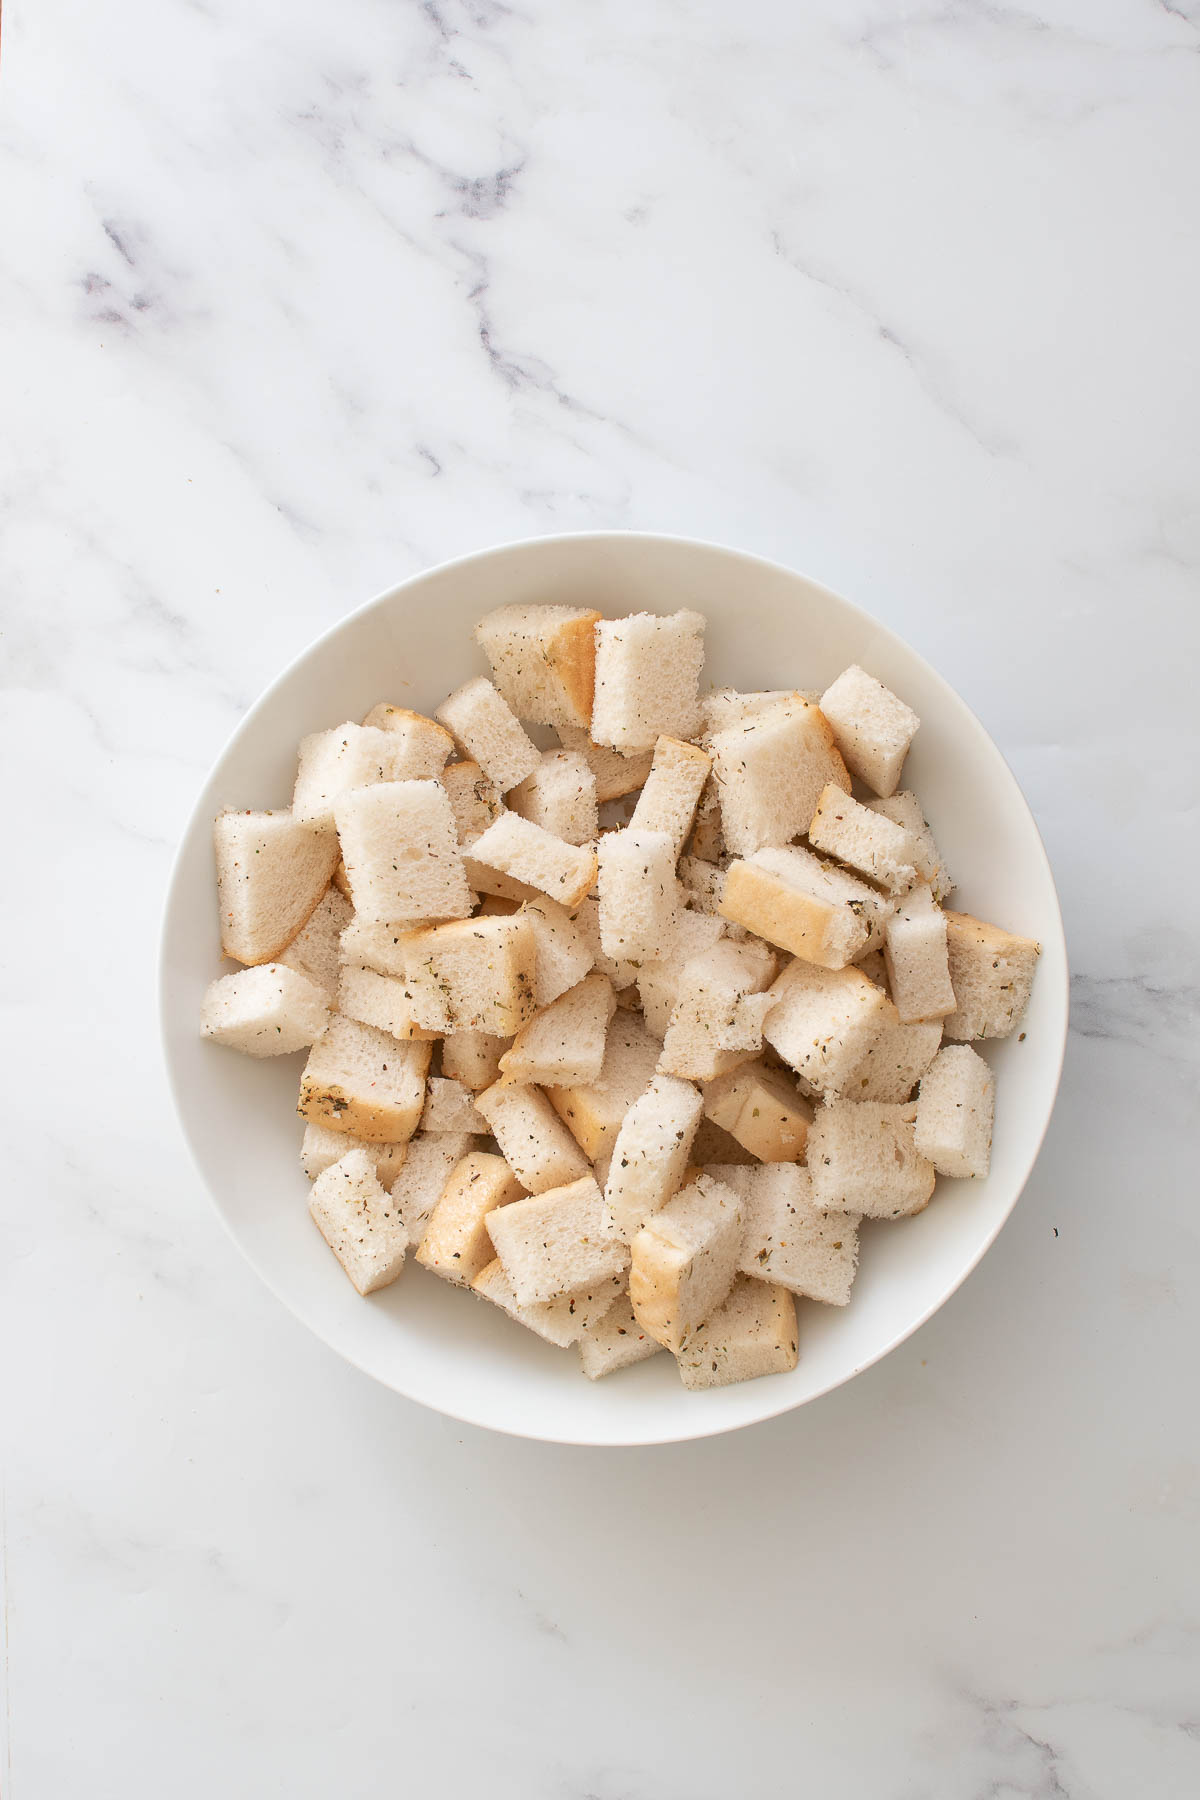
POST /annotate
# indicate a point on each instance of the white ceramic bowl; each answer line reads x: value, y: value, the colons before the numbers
x: 767, y: 627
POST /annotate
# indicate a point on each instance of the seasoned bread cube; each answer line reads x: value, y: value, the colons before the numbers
x: 265, y: 1011
x: 651, y: 1154
x: 711, y: 1145
x: 761, y: 1108
x: 802, y: 904
x: 474, y: 799
x: 562, y: 953
x: 753, y: 1334
x: 587, y: 923
x: 658, y: 982
x: 717, y: 1020
x: 593, y: 1111
x: 424, y: 748
x: 560, y: 796
x: 449, y: 1106
x: 672, y: 792
x: 824, y: 1021
x: 904, y: 809
x: 315, y: 949
x: 359, y: 1221
x: 895, y: 1063
x: 708, y: 840
x: 321, y: 1148
x: 563, y: 1045
x: 375, y: 946
x: 872, y: 726
x: 489, y: 732
x: 418, y: 1186
x: 647, y: 679
x: 788, y: 1238
x: 614, y: 1342
x: 684, y: 1259
x: 955, y: 1109
x: 543, y: 660
x: 341, y: 880
x: 864, y: 839
x: 863, y: 1159
x: 562, y: 1321
x: 551, y: 1244
x: 271, y: 873
x: 991, y: 972
x: 615, y: 772
x: 522, y: 850
x: 872, y: 964
x: 380, y: 1000
x: 917, y: 958
x: 456, y: 1244
x: 639, y: 894
x: 473, y: 1057
x: 362, y: 1081
x: 334, y: 763
x: 472, y: 974
x: 772, y: 771
x: 537, y: 1145
x: 725, y: 707
x: 401, y: 853
x: 701, y: 884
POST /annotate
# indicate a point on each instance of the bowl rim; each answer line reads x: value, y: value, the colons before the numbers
x: 703, y: 1429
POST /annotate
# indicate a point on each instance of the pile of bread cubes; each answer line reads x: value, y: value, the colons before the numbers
x: 622, y: 1034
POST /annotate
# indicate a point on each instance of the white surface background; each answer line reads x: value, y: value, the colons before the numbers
x: 298, y: 299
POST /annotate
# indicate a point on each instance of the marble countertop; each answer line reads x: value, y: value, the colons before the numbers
x: 301, y: 299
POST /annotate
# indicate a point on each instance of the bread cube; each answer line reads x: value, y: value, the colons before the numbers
x: 563, y: 1045
x: 272, y: 871
x: 341, y: 880
x: 823, y: 1022
x: 753, y: 1334
x: 587, y: 923
x: 650, y: 1154
x: 359, y: 1222
x: 772, y: 771
x: 672, y: 792
x: 659, y: 981
x: 560, y: 796
x: 788, y: 1238
x: 551, y: 1244
x: 474, y: 800
x: 401, y: 853
x: 684, y: 1259
x: 707, y: 840
x: 456, y: 1244
x: 639, y: 894
x: 543, y: 660
x: 380, y: 1000
x: 905, y: 809
x: 472, y: 975
x: 895, y: 1063
x: 647, y: 679
x: 863, y: 1159
x: 593, y: 1111
x: 522, y: 850
x: 793, y: 899
x: 450, y: 1107
x: 417, y: 1186
x: 486, y: 727
x: 315, y: 950
x: 762, y: 1110
x: 725, y: 707
x: 873, y: 728
x: 360, y: 1080
x: 615, y: 772
x: 917, y: 958
x: 264, y: 1011
x: 991, y: 972
x: 537, y: 1145
x: 615, y: 1342
x: 334, y: 763
x: 321, y: 1148
x: 562, y: 953
x: 864, y: 839
x: 422, y: 748
x: 370, y: 945
x: 955, y: 1110
x: 717, y: 1019
x: 473, y: 1057
x: 562, y: 1321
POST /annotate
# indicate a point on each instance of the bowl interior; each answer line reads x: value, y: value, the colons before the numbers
x: 767, y: 627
